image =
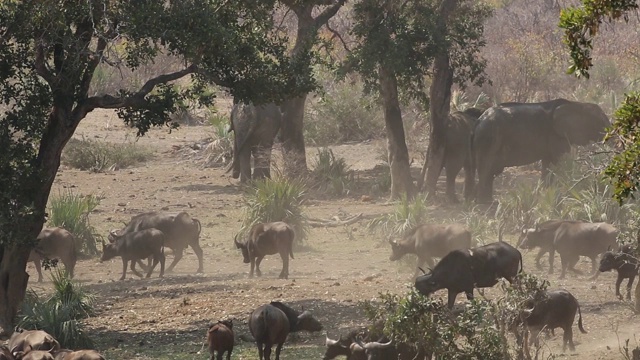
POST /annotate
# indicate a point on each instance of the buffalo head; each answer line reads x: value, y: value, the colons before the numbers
x: 608, y: 261
x: 530, y: 238
x: 397, y: 251
x: 244, y: 248
x: 336, y: 348
x: 373, y: 350
x: 109, y: 251
x: 307, y: 322
x: 426, y: 284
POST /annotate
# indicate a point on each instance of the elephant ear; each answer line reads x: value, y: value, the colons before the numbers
x: 580, y: 123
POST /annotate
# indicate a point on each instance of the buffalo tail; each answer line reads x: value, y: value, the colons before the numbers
x: 580, y: 321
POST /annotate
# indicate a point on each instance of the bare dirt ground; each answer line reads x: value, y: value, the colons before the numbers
x: 168, y: 318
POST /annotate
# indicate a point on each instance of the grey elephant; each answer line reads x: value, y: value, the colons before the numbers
x: 254, y: 129
x: 457, y: 153
x: 514, y: 134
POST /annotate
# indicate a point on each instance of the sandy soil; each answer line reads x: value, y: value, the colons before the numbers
x: 167, y: 318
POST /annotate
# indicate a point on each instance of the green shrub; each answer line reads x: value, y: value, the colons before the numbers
x: 60, y: 313
x: 97, y: 156
x: 277, y: 199
x: 341, y: 114
x: 71, y: 212
x: 220, y: 150
x: 406, y: 215
x: 331, y: 174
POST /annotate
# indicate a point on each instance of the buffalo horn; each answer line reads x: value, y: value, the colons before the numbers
x: 378, y: 345
x: 423, y: 272
x: 330, y: 342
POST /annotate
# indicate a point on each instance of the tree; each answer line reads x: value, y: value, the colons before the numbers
x: 49, y: 52
x: 581, y: 25
x: 293, y: 109
x: 403, y: 43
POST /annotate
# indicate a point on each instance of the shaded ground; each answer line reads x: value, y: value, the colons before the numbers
x: 167, y: 318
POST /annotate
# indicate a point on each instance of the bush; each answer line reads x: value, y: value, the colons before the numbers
x: 331, y: 174
x: 220, y: 150
x: 71, y: 212
x: 276, y: 199
x: 406, y: 215
x: 341, y: 114
x: 99, y: 156
x: 60, y: 313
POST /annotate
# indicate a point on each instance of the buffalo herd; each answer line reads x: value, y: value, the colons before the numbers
x: 463, y: 266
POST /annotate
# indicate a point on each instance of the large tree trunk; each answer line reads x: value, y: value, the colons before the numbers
x: 14, y: 256
x: 401, y: 182
x: 292, y: 135
x: 439, y: 106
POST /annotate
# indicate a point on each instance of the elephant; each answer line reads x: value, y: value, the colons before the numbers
x: 457, y: 153
x: 254, y: 129
x: 514, y: 134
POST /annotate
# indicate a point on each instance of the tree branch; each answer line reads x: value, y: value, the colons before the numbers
x: 327, y: 14
x: 41, y: 66
x: 336, y: 34
x: 135, y: 100
x: 85, y: 83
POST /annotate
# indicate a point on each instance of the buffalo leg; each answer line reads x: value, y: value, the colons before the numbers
x: 38, y: 266
x: 260, y: 351
x: 156, y: 260
x: 284, y: 274
x: 162, y: 261
x: 177, y: 255
x: 278, y: 349
x: 572, y: 264
x: 538, y: 257
x: 198, y: 250
x: 629, y: 285
x: 594, y: 269
x: 124, y: 268
x: 229, y: 354
x: 567, y: 337
x: 267, y: 351
x: 552, y: 257
x: 451, y: 299
x: 133, y: 268
x: 565, y: 264
x: 258, y: 261
x: 253, y: 265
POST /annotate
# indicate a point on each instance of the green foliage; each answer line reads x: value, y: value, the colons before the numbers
x: 406, y: 215
x: 71, y: 212
x: 277, y: 199
x: 342, y: 114
x: 331, y: 174
x: 98, y: 156
x: 479, y: 223
x: 405, y: 38
x: 59, y: 314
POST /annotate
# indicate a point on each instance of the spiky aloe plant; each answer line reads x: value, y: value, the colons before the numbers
x: 405, y: 216
x: 71, y: 212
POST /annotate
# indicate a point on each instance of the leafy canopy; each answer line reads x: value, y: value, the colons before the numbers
x: 405, y: 37
x: 581, y: 25
x: 49, y: 52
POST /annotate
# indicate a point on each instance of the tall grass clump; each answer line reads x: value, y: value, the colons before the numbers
x: 98, y: 156
x: 277, y: 199
x: 480, y: 224
x: 331, y: 174
x: 406, y: 215
x: 71, y: 212
x: 60, y: 313
x: 220, y: 150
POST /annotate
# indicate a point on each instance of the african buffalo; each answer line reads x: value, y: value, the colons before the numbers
x: 571, y: 239
x: 462, y: 270
x: 268, y: 239
x: 66, y: 354
x: 24, y: 341
x: 625, y: 264
x: 429, y: 241
x: 181, y: 230
x: 373, y: 350
x: 556, y: 309
x: 38, y: 355
x: 345, y: 346
x: 54, y: 243
x: 135, y: 246
x: 220, y: 339
x: 271, y: 324
x: 5, y: 354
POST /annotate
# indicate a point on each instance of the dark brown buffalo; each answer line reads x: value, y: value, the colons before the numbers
x: 24, y: 341
x: 270, y: 325
x: 66, y: 354
x: 463, y: 270
x: 429, y: 241
x: 220, y: 339
x: 5, y: 354
x: 54, y: 243
x: 38, y: 355
x: 352, y: 347
x: 556, y: 309
x: 373, y: 350
x: 181, y: 230
x: 624, y: 264
x: 136, y: 246
x: 268, y: 239
x: 572, y: 239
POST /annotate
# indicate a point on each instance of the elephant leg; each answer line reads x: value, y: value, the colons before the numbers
x: 452, y: 171
x: 469, y: 179
x: 38, y: 266
x: 262, y: 159
x: 244, y: 163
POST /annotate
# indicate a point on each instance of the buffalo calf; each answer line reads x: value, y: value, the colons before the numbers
x: 220, y: 339
x: 625, y: 264
x: 22, y: 342
x: 556, y: 309
x: 270, y: 325
x: 136, y: 246
x: 268, y: 239
x: 54, y: 243
x: 429, y: 241
x: 66, y: 354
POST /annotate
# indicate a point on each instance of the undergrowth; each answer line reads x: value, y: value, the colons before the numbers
x: 99, y: 156
x: 71, y: 212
